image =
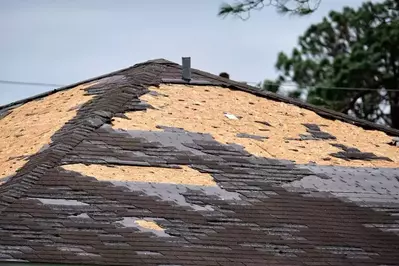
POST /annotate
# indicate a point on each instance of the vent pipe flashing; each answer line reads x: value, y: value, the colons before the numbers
x: 186, y: 68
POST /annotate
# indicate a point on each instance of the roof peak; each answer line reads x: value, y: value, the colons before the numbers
x: 217, y: 80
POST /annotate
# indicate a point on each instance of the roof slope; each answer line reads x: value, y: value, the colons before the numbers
x: 139, y: 168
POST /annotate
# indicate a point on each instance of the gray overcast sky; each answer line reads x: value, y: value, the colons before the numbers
x: 62, y: 42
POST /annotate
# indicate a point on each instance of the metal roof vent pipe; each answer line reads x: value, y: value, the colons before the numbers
x: 224, y: 75
x: 186, y: 69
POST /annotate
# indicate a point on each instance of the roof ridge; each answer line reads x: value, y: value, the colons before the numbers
x: 70, y: 86
x: 156, y: 61
x: 324, y: 112
x: 327, y: 113
x: 67, y: 87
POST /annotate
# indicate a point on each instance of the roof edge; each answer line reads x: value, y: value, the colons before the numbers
x: 47, y: 93
x: 70, y: 86
x: 327, y: 113
x: 324, y: 112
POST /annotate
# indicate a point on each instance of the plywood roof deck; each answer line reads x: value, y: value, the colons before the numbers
x: 149, y: 225
x: 185, y: 175
x: 203, y: 109
x: 30, y: 126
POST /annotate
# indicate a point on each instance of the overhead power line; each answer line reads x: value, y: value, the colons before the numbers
x: 325, y: 88
x: 29, y: 83
x: 43, y: 84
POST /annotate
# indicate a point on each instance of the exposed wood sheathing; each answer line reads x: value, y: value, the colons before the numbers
x: 185, y: 175
x: 29, y: 127
x: 149, y: 225
x: 203, y: 108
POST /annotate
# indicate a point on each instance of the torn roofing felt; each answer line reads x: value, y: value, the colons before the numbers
x: 140, y: 168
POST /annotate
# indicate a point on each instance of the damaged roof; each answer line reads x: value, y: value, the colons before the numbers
x: 142, y: 167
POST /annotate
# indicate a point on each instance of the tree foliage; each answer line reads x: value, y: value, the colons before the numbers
x: 269, y: 85
x: 354, y: 48
x: 243, y: 8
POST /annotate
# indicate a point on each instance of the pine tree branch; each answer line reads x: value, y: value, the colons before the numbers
x: 301, y: 7
x: 350, y: 105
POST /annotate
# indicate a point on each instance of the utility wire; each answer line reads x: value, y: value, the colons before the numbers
x: 325, y: 88
x: 10, y: 82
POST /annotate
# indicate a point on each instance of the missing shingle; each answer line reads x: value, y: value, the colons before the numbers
x: 183, y: 175
x: 151, y: 225
x: 144, y: 225
x: 30, y: 126
x: 209, y: 118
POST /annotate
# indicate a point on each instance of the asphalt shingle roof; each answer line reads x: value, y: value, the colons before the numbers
x: 112, y: 188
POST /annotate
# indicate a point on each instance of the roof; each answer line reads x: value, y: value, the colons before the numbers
x: 139, y: 167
